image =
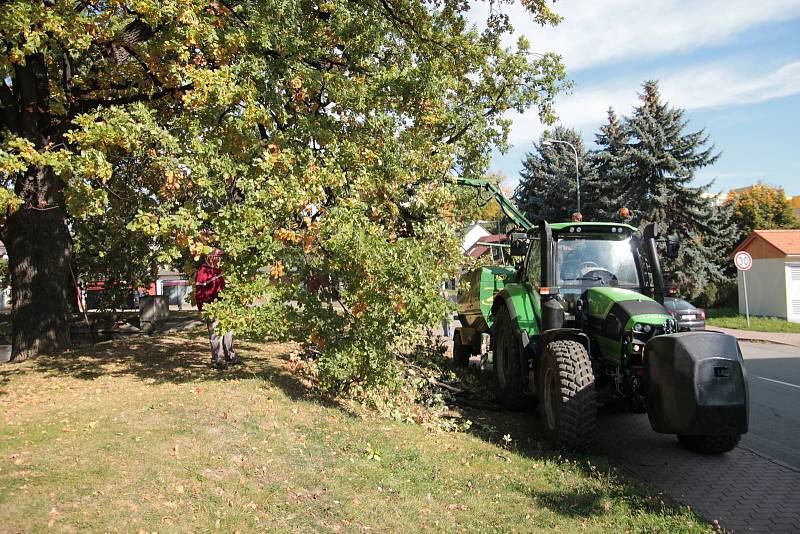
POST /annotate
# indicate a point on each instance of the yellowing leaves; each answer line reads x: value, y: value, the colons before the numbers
x: 197, y: 249
x: 359, y: 308
x: 316, y: 339
x: 277, y: 270
x: 288, y: 236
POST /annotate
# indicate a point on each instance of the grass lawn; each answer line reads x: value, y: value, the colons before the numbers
x: 141, y: 436
x: 730, y: 318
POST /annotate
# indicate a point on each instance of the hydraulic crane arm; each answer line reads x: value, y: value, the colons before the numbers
x: 506, y: 205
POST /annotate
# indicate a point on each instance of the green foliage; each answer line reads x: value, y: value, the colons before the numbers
x: 723, y: 294
x: 761, y: 207
x: 663, y: 159
x: 314, y: 141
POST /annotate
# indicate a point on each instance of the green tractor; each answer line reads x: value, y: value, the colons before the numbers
x: 579, y: 320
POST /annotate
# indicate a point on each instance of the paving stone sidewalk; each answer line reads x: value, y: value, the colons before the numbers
x: 784, y: 338
x: 742, y: 490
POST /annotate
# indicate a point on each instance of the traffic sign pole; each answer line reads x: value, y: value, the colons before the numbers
x: 743, y: 262
x: 746, y: 307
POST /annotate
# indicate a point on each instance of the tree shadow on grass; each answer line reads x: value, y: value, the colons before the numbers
x: 177, y: 359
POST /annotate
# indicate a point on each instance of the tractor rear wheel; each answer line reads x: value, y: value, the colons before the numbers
x: 710, y: 444
x: 461, y: 353
x: 507, y: 362
x: 567, y: 397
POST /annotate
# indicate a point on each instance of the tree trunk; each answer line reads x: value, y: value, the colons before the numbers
x: 39, y: 251
x: 36, y: 235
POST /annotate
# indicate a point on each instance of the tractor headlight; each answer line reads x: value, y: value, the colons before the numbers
x: 642, y: 328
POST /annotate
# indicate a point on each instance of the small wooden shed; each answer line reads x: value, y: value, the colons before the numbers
x: 773, y: 282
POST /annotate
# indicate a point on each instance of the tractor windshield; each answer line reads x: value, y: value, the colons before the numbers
x: 587, y: 260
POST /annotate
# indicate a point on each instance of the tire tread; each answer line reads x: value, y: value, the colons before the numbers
x: 578, y: 411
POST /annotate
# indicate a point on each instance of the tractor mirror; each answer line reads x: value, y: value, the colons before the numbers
x: 519, y: 244
x: 672, y: 246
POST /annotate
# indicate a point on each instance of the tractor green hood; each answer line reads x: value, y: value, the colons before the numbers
x: 628, y: 307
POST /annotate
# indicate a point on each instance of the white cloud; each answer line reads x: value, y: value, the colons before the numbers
x: 597, y: 32
x: 699, y: 87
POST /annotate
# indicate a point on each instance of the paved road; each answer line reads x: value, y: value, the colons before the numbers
x: 773, y: 375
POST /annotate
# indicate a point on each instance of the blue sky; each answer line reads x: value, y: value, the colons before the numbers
x: 733, y: 65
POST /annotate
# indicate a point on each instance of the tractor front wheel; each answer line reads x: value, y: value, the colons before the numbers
x: 507, y: 362
x: 567, y: 397
x: 710, y: 444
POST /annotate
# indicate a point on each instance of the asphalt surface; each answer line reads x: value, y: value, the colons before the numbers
x: 773, y: 376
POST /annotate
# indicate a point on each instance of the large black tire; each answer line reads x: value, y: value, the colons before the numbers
x: 507, y: 362
x: 710, y: 444
x: 567, y: 397
x: 461, y: 353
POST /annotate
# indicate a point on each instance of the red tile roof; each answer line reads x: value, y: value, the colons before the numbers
x: 477, y: 250
x: 785, y: 241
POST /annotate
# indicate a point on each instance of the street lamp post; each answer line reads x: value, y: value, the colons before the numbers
x: 549, y: 142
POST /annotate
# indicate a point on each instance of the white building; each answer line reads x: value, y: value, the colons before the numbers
x: 773, y: 282
x: 474, y: 233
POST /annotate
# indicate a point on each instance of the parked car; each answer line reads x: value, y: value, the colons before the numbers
x: 688, y: 315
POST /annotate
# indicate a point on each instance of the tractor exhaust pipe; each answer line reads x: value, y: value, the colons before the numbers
x: 650, y: 234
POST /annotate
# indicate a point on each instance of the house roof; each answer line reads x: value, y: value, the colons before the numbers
x: 477, y: 250
x: 763, y: 244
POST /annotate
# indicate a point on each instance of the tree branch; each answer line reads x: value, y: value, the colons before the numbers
x: 235, y: 14
x: 410, y: 25
x: 130, y: 99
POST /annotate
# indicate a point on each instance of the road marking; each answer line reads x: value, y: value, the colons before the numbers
x: 779, y: 382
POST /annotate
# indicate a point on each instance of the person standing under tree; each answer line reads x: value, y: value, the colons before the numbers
x: 209, y: 281
x: 447, y: 319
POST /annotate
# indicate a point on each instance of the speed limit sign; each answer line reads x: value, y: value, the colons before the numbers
x: 743, y: 260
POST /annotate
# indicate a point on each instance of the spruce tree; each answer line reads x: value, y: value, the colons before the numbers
x: 610, y: 163
x: 654, y: 176
x: 547, y: 188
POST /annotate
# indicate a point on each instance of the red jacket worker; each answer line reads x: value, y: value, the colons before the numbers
x: 209, y: 281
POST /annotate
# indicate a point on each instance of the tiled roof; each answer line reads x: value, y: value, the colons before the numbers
x: 786, y: 241
x: 477, y: 250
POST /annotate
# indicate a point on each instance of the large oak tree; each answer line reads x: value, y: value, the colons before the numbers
x: 314, y: 140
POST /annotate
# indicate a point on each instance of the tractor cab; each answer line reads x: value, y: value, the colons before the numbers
x: 589, y: 255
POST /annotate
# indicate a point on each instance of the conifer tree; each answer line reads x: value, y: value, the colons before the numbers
x: 654, y: 174
x: 610, y: 165
x: 547, y: 188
